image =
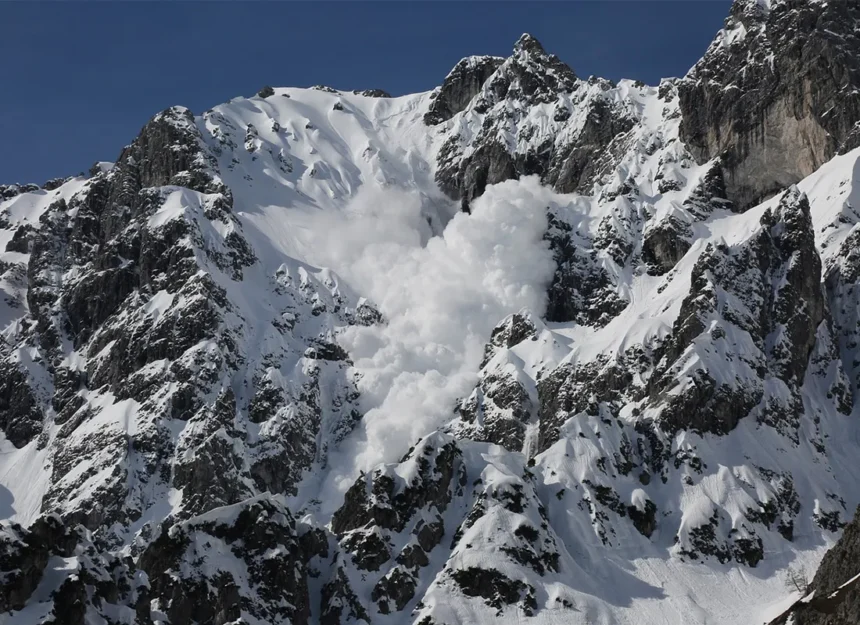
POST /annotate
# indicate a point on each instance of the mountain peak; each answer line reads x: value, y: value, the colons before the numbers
x: 529, y: 72
x: 754, y: 7
x: 527, y: 43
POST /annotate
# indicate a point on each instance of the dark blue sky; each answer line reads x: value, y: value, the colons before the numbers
x: 80, y: 79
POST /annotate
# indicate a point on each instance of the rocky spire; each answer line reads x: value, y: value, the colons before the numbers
x: 530, y: 75
x: 528, y: 44
x: 529, y: 72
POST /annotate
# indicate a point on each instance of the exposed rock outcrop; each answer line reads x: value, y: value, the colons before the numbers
x: 770, y: 291
x: 269, y: 583
x: 83, y: 582
x: 776, y: 95
x: 462, y: 84
x: 834, y: 593
x: 500, y: 95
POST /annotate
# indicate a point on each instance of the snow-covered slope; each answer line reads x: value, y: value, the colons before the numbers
x: 505, y: 349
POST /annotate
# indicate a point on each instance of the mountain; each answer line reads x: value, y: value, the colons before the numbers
x: 528, y: 346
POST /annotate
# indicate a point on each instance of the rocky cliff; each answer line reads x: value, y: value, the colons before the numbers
x: 776, y: 93
x: 832, y: 597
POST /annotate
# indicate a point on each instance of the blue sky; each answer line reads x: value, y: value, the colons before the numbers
x: 80, y: 79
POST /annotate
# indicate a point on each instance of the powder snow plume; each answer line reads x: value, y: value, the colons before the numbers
x: 441, y: 297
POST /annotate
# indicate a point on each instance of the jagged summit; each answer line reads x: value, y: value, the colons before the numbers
x: 529, y: 73
x: 264, y: 368
x: 751, y: 9
x: 528, y: 44
x: 762, y: 8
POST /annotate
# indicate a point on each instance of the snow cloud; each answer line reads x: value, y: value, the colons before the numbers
x: 441, y: 297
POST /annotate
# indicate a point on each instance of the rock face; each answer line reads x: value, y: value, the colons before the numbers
x: 461, y: 85
x: 769, y: 290
x: 834, y: 593
x: 202, y: 424
x: 20, y: 416
x: 131, y: 275
x: 388, y: 525
x: 582, y: 289
x: 776, y: 94
x: 502, y: 98
x: 837, y: 575
x: 270, y: 584
x: 256, y: 565
x: 83, y: 582
x: 504, y: 401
